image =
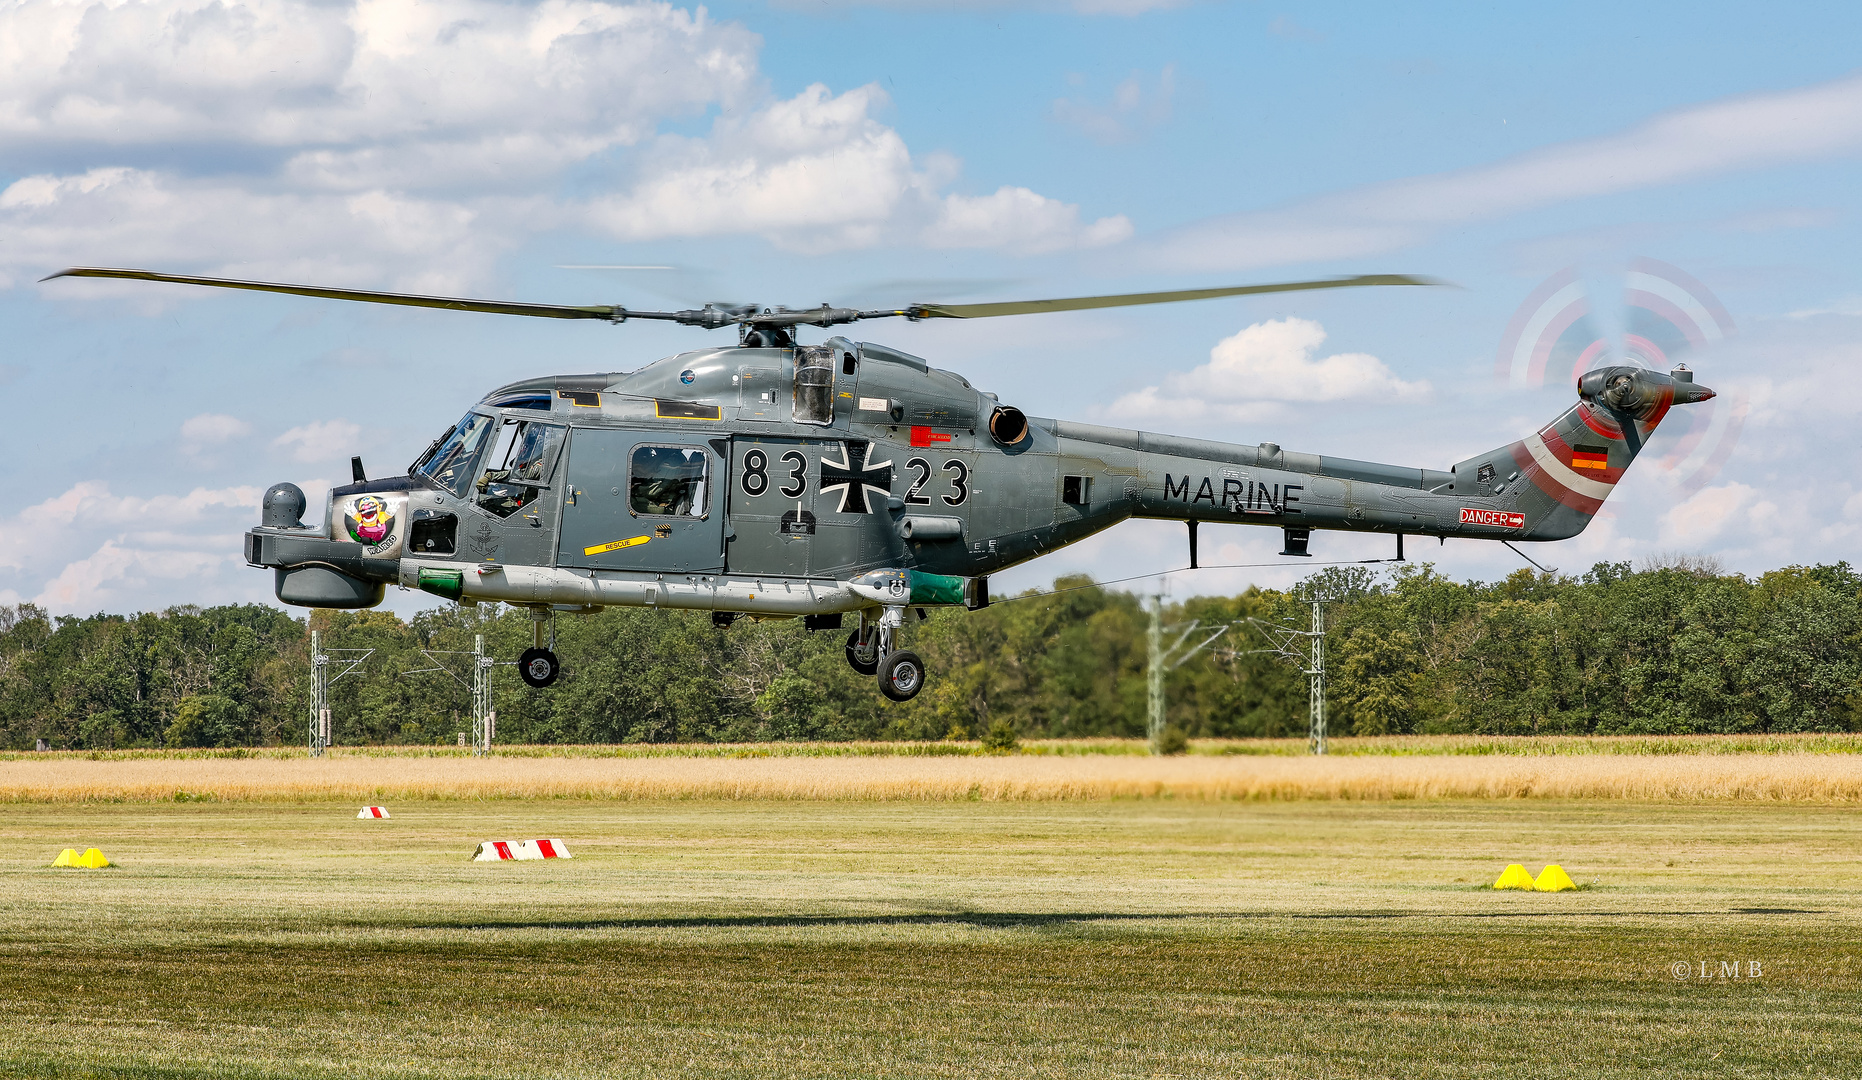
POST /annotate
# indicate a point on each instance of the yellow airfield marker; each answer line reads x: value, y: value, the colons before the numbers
x: 67, y: 857
x: 92, y: 859
x: 1554, y: 879
x: 1514, y: 877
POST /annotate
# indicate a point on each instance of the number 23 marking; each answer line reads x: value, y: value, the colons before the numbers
x: 959, y: 483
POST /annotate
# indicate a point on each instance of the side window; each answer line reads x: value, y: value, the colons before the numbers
x: 669, y: 481
x: 518, y: 467
x: 814, y: 385
x: 451, y: 464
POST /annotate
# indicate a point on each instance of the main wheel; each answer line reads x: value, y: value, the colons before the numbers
x: 901, y: 675
x: 863, y: 660
x: 538, y: 667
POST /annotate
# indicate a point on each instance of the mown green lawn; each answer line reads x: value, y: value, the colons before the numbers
x: 1138, y: 938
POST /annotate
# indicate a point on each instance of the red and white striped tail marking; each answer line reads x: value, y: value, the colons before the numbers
x: 373, y: 811
x: 496, y: 850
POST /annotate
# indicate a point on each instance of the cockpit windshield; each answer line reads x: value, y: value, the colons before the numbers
x: 450, y: 464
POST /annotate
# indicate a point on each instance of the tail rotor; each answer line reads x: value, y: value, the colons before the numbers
x: 1665, y: 318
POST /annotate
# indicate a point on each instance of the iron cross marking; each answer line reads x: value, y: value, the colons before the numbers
x: 855, y: 479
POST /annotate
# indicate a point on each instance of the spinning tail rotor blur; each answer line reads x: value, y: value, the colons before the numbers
x: 1664, y: 317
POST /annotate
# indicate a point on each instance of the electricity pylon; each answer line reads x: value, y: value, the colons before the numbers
x: 1162, y: 660
x: 1306, y: 650
x: 320, y: 660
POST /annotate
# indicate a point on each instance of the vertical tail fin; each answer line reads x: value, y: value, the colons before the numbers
x: 1559, y: 476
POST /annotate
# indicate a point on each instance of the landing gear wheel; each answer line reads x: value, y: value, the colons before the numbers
x: 539, y: 667
x: 863, y: 660
x: 901, y: 675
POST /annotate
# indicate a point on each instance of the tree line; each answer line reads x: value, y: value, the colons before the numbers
x: 1674, y: 648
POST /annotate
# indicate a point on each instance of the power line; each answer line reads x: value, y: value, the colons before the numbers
x: 1179, y: 570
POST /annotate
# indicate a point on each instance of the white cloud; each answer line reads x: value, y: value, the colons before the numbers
x: 1082, y: 7
x: 1760, y: 130
x: 814, y: 162
x: 1698, y: 521
x: 211, y: 429
x: 1848, y: 307
x: 389, y: 142
x: 1019, y: 220
x: 323, y: 440
x: 120, y: 216
x: 113, y: 574
x: 138, y: 545
x: 467, y: 81
x: 1137, y: 105
x: 1249, y: 374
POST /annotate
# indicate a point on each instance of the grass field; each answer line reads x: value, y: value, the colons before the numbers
x: 923, y: 938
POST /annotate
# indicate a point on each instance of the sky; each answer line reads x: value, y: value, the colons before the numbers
x: 877, y: 152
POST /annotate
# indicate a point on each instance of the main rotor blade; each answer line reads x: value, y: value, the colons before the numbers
x: 496, y: 307
x: 1081, y: 303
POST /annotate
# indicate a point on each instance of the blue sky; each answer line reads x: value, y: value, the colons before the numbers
x: 796, y: 152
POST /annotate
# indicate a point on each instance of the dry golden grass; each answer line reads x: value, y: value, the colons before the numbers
x: 1764, y: 778
x: 1340, y: 746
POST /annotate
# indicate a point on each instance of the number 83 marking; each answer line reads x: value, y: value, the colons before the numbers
x: 755, y: 478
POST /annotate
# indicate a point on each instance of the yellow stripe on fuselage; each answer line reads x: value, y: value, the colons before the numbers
x: 633, y: 541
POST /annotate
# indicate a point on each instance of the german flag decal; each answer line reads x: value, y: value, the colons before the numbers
x: 1590, y: 457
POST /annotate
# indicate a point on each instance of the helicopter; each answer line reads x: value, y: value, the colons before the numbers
x: 777, y: 479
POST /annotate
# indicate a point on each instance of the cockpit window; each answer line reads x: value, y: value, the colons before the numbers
x: 450, y: 464
x: 518, y: 468
x: 669, y: 481
x: 814, y: 385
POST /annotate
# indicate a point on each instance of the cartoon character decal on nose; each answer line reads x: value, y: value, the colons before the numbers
x: 370, y: 520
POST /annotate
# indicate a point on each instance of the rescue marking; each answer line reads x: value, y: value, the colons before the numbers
x: 924, y: 436
x: 1503, y: 519
x: 601, y: 549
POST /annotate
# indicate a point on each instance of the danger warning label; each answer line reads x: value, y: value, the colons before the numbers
x: 1500, y: 519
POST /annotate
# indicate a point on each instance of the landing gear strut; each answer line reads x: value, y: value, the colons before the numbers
x: 538, y: 666
x: 901, y: 673
x: 863, y: 649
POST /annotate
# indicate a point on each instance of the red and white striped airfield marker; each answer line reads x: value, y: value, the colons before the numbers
x: 496, y: 850
x: 373, y: 811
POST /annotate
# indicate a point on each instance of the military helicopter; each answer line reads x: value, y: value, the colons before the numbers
x: 772, y: 478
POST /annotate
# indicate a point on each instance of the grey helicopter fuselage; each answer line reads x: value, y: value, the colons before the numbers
x: 776, y: 479
x: 851, y: 477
